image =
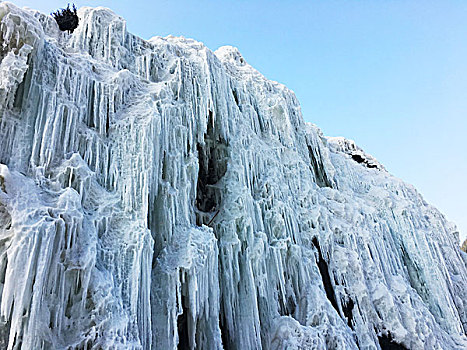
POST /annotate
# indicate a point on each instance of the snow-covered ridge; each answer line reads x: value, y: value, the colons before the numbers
x: 158, y: 195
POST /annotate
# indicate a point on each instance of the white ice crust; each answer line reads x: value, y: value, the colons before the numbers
x: 155, y: 193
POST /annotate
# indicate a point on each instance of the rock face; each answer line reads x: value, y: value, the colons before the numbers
x: 464, y: 246
x: 155, y: 194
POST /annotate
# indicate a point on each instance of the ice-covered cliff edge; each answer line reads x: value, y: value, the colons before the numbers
x: 155, y: 194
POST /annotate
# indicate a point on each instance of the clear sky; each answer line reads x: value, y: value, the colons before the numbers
x: 389, y: 74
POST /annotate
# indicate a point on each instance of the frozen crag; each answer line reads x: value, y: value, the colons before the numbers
x: 158, y: 195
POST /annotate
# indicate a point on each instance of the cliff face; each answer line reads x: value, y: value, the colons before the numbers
x: 155, y: 194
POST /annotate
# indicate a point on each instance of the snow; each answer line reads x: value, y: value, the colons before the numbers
x: 156, y: 193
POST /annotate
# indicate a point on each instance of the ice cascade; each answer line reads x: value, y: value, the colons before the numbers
x: 158, y: 195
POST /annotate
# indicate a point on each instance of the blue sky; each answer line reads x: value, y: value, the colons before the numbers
x: 389, y: 74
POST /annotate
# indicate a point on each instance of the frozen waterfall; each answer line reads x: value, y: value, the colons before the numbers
x: 158, y: 195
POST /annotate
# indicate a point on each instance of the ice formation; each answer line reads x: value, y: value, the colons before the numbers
x: 158, y: 195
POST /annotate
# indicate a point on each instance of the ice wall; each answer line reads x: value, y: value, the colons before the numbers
x: 158, y: 195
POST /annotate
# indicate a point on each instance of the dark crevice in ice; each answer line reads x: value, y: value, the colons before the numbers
x: 164, y: 167
x: 387, y: 343
x: 157, y: 224
x: 318, y: 168
x: 107, y: 119
x: 212, y: 158
x: 182, y: 327
x: 224, y: 330
x: 291, y: 306
x: 262, y: 127
x: 287, y: 309
x: 234, y: 93
x: 92, y: 97
x: 324, y: 271
x: 347, y: 308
